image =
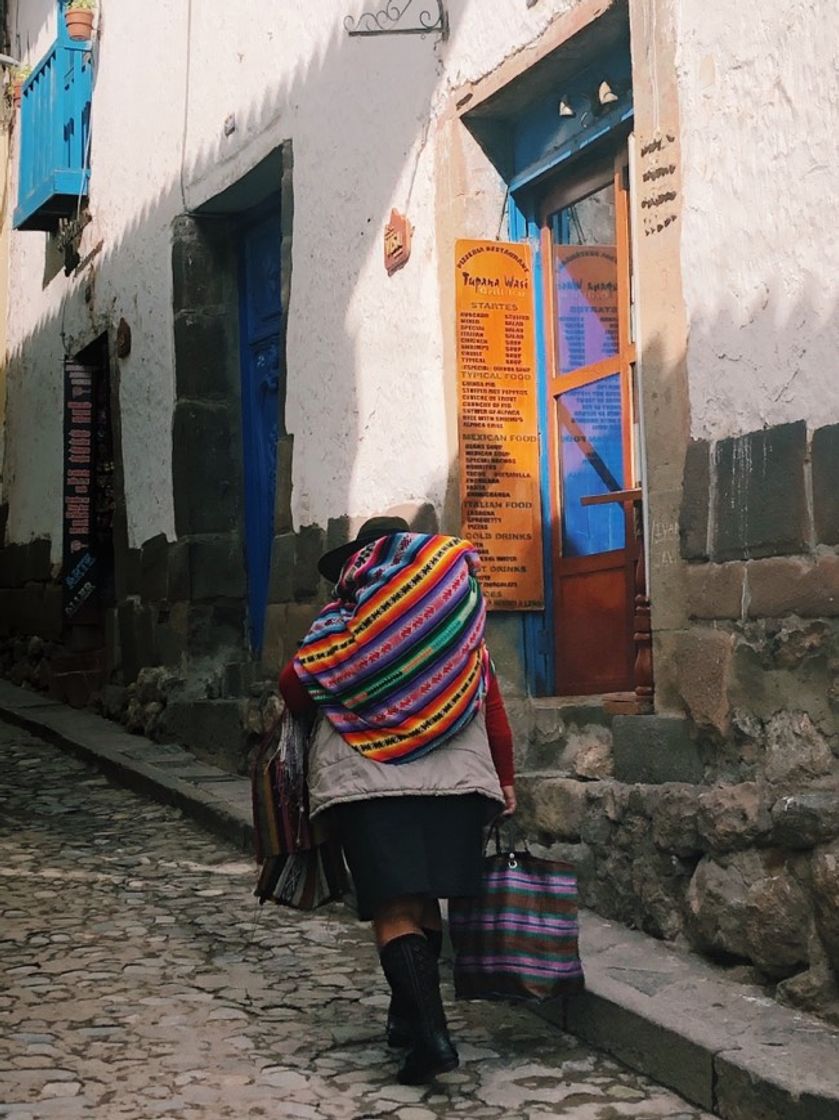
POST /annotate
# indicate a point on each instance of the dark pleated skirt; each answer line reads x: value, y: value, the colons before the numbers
x: 428, y: 846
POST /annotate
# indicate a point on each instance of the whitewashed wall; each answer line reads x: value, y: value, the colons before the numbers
x: 367, y: 381
x: 135, y: 160
x: 760, y: 249
x: 366, y: 376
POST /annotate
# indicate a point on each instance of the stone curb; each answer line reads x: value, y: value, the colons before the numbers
x: 215, y: 799
x: 668, y: 1014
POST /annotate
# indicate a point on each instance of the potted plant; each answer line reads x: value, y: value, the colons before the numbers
x: 78, y: 15
x: 19, y: 76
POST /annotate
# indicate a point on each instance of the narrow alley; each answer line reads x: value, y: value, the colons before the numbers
x: 140, y: 981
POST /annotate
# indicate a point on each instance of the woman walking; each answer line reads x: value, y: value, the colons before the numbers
x: 413, y: 755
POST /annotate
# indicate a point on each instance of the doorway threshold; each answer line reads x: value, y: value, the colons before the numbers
x: 608, y: 704
x: 554, y: 703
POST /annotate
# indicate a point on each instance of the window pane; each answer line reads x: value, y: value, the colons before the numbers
x: 591, y: 221
x: 591, y: 462
x: 586, y: 281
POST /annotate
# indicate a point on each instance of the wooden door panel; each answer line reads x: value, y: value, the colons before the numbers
x: 591, y: 627
x: 589, y: 350
x: 260, y: 321
x: 602, y: 562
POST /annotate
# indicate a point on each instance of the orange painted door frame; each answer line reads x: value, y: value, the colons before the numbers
x: 591, y: 355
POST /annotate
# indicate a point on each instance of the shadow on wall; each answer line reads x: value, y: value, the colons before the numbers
x: 357, y: 75
x: 757, y: 480
x: 354, y: 74
x: 745, y: 581
x: 39, y: 14
x: 747, y: 495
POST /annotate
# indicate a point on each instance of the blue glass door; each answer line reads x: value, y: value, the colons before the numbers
x: 591, y: 463
x: 585, y: 245
x: 260, y: 318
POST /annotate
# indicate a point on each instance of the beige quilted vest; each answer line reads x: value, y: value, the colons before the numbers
x: 337, y: 773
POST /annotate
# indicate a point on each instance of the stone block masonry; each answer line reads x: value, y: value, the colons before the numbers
x: 746, y: 844
x: 205, y: 469
x: 825, y: 453
x: 745, y: 872
x: 759, y: 506
x: 718, y: 825
x: 694, y: 517
x: 30, y: 601
x: 655, y: 749
x: 747, y: 495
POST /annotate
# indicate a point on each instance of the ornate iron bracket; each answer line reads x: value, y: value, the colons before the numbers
x: 389, y: 20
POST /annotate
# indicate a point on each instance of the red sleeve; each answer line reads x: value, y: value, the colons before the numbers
x: 499, y: 733
x: 298, y: 701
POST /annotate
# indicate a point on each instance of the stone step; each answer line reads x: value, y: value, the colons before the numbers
x: 552, y: 715
x: 76, y: 688
x: 78, y: 661
x: 557, y: 736
x: 212, y: 729
x: 75, y: 675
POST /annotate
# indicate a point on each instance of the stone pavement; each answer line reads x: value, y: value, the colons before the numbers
x: 723, y: 1046
x: 141, y: 981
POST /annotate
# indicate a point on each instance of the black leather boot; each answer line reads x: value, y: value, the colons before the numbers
x: 398, y: 1027
x: 411, y: 970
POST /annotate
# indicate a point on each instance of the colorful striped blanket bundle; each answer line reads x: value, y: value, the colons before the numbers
x: 397, y: 661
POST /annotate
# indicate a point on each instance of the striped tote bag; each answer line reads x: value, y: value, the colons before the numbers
x: 519, y: 938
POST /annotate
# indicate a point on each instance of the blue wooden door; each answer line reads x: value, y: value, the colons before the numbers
x: 259, y: 325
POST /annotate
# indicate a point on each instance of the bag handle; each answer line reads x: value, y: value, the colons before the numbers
x: 495, y: 832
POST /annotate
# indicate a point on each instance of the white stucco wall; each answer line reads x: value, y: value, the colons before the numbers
x: 135, y: 160
x: 366, y: 376
x: 365, y: 353
x: 760, y: 252
x: 365, y: 360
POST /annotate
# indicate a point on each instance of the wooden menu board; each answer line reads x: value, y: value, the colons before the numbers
x: 499, y: 440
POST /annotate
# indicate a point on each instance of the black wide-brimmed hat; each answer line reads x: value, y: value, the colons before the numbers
x: 331, y: 563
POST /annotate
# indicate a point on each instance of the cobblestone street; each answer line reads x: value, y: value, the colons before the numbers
x: 141, y: 981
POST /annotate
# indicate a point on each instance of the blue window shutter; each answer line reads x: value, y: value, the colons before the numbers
x: 54, y: 123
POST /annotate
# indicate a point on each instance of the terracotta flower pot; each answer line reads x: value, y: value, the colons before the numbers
x: 17, y: 92
x: 79, y: 24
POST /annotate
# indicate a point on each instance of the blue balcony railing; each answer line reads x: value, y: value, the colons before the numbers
x: 54, y: 127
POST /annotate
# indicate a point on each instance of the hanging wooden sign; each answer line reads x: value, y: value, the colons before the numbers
x: 398, y: 233
x: 499, y: 437
x: 80, y: 568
